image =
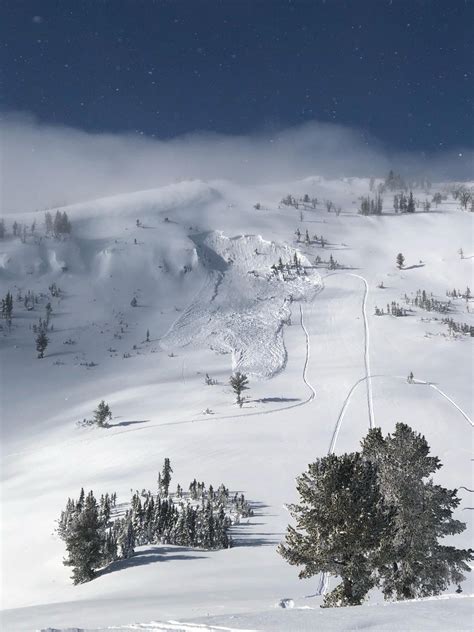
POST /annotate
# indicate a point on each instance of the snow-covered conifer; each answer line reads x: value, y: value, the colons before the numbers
x: 239, y: 383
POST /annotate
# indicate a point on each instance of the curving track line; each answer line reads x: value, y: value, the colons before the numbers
x: 450, y: 400
x: 395, y: 377
x: 200, y: 419
x: 307, y: 357
x: 370, y: 401
x: 324, y: 577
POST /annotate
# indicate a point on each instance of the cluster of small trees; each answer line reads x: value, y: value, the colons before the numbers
x: 59, y: 226
x: 20, y: 230
x: 333, y: 264
x: 55, y: 290
x: 30, y: 299
x: 393, y: 309
x: 371, y: 206
x: 310, y: 240
x: 394, y: 182
x: 374, y: 518
x: 7, y: 308
x: 458, y: 294
x: 459, y: 328
x: 288, y: 269
x: 304, y: 201
x: 428, y: 302
x: 210, y: 381
x: 438, y: 198
x: 404, y: 204
x: 331, y: 207
x: 464, y: 195
x: 200, y: 518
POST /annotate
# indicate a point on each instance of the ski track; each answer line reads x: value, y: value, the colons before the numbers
x: 324, y: 578
x: 395, y: 377
x: 308, y: 355
x: 452, y: 402
x: 370, y: 401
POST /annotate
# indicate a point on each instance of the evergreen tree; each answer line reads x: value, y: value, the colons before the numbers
x: 101, y: 414
x: 2, y: 228
x: 341, y: 519
x: 165, y: 478
x: 84, y: 542
x: 42, y: 341
x: 49, y: 311
x: 48, y: 223
x: 7, y: 308
x: 239, y: 383
x: 396, y: 203
x: 403, y: 203
x: 61, y: 224
x: 126, y: 539
x: 400, y: 260
x: 416, y: 565
x: 411, y: 204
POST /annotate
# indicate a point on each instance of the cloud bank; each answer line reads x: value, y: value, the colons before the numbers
x: 44, y: 165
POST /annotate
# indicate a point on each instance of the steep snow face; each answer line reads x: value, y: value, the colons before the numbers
x: 242, y: 307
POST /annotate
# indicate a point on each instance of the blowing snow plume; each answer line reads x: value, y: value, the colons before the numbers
x: 46, y: 166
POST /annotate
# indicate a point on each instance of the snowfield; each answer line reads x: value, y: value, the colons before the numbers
x: 323, y: 368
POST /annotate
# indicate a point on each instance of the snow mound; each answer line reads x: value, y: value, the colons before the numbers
x: 242, y: 307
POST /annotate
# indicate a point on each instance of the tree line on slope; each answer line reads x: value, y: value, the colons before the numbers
x: 374, y: 518
x: 199, y: 518
x: 58, y: 226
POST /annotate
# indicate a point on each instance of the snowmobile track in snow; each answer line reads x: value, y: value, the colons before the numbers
x: 306, y: 361
x: 200, y: 419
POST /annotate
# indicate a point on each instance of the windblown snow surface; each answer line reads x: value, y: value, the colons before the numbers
x: 322, y: 369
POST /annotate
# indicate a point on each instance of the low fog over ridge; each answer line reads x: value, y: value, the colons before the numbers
x: 44, y: 165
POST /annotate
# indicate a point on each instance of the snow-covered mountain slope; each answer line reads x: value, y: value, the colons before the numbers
x: 322, y: 367
x: 442, y: 613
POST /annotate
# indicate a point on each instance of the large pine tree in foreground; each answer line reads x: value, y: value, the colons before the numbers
x: 341, y: 520
x: 417, y: 565
x: 374, y: 519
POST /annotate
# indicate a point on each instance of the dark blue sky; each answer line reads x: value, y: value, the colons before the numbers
x: 400, y: 70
